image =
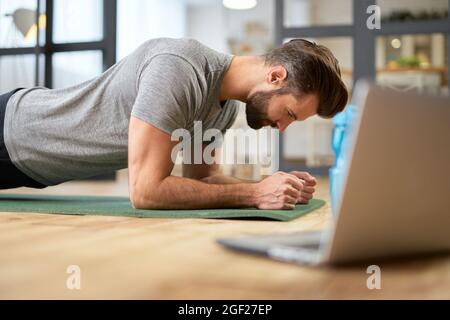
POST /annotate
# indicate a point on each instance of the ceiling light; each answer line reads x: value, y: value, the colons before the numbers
x: 239, y: 4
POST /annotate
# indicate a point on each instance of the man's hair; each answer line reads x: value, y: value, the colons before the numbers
x: 312, y: 68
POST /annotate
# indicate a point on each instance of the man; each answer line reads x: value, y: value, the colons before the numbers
x: 126, y: 117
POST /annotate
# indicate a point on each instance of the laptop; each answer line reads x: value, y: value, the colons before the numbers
x: 395, y: 197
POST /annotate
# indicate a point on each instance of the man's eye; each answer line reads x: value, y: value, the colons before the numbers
x: 291, y: 115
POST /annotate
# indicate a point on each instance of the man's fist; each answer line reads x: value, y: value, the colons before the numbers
x: 279, y: 191
x: 308, y: 186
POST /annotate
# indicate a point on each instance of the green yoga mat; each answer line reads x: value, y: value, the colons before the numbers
x: 121, y: 206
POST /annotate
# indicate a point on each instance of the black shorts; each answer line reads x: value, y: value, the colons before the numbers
x: 10, y: 175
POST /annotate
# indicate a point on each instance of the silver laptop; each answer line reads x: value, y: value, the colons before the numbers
x: 395, y: 199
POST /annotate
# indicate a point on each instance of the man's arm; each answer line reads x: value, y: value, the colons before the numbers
x: 309, y: 183
x: 152, y: 187
x: 210, y: 173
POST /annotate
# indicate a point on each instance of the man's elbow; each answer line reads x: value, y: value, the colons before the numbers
x: 147, y: 202
x: 135, y: 202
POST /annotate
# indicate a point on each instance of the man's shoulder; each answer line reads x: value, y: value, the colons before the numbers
x: 200, y: 56
x: 182, y: 47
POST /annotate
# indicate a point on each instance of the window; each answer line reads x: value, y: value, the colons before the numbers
x: 64, y: 26
x: 42, y: 40
x: 78, y: 21
x: 413, y: 38
x: 413, y: 62
x: 306, y: 13
x: 70, y: 68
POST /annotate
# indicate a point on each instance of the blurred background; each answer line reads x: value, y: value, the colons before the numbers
x: 58, y: 43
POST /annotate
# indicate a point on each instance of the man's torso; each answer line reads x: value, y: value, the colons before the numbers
x: 64, y: 134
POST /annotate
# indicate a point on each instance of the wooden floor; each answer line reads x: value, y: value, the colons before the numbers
x: 178, y: 259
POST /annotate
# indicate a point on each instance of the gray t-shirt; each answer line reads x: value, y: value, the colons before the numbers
x: 63, y: 134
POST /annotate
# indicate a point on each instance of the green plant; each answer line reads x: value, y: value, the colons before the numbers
x: 408, y: 62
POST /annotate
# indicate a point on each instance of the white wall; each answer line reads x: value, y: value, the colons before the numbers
x: 206, y: 23
x: 263, y: 13
x: 141, y: 20
x: 212, y: 24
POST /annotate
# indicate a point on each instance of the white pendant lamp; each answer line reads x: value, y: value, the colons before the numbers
x: 240, y: 4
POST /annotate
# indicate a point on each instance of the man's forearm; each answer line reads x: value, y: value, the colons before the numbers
x: 183, y: 193
x: 220, y: 178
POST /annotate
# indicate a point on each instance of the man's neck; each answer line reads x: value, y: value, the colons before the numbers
x: 244, y: 73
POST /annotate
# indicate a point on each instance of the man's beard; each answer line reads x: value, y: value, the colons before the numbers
x: 256, y: 109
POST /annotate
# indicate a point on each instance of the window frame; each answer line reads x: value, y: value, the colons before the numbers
x: 107, y: 45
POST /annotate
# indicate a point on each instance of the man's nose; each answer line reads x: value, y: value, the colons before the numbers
x: 282, y: 125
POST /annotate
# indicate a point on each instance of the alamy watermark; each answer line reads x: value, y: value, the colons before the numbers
x: 242, y: 146
x: 73, y: 281
x: 374, y: 280
x: 374, y: 20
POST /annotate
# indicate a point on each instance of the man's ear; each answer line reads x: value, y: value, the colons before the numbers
x: 276, y: 75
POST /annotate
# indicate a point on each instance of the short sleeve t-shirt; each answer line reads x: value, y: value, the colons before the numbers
x: 57, y: 135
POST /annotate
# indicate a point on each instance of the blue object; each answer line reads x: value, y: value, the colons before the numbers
x: 340, y: 145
